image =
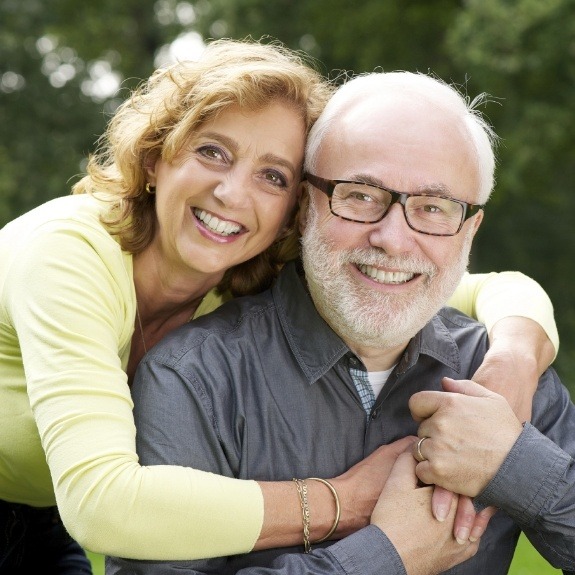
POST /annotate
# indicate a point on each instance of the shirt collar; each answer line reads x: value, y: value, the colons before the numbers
x: 434, y: 340
x: 317, y: 348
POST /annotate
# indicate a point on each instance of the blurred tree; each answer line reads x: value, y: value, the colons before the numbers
x: 523, y: 52
x: 55, y: 60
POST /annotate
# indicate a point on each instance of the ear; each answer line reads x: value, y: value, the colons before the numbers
x: 477, y: 221
x: 303, y: 207
x: 150, y: 169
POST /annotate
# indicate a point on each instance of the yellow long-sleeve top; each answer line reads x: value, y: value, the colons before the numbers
x: 67, y: 312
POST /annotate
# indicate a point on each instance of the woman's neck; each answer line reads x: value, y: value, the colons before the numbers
x: 165, y: 301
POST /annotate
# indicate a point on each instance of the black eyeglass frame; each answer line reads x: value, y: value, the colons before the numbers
x: 328, y: 186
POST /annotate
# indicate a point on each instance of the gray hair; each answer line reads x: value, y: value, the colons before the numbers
x: 354, y: 91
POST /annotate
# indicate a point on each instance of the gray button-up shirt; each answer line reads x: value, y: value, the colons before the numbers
x: 261, y: 389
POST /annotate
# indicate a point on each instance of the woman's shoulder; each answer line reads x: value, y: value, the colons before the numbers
x: 71, y: 211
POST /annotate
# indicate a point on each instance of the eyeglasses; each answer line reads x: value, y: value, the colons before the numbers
x: 367, y: 204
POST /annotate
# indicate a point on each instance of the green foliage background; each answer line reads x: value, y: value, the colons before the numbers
x: 522, y: 52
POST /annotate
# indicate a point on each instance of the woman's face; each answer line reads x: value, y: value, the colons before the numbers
x: 230, y: 193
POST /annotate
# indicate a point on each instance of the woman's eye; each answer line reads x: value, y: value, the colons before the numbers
x: 276, y: 178
x: 212, y: 153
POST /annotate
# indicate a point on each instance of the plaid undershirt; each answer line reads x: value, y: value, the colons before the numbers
x: 361, y: 381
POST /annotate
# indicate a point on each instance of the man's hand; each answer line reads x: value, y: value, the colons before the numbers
x: 403, y: 512
x: 470, y: 431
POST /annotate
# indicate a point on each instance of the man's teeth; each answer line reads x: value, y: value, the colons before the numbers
x: 385, y: 277
x: 217, y: 225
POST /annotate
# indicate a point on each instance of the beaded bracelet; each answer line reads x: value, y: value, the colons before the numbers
x: 302, y: 492
x: 301, y: 486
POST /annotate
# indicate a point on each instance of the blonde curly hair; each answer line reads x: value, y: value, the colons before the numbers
x: 159, y: 116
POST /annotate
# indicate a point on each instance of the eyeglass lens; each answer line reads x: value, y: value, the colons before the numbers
x: 427, y: 214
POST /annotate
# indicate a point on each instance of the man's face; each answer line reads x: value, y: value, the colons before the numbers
x: 379, y: 284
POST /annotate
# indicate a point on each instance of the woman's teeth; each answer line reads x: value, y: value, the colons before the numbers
x: 217, y: 225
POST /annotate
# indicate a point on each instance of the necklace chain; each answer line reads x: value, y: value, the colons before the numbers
x: 141, y: 329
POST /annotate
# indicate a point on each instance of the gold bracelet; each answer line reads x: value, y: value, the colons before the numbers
x: 302, y: 492
x: 337, y: 508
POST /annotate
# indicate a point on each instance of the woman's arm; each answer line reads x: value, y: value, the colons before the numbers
x: 523, y: 335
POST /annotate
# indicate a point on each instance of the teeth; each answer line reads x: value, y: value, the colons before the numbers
x: 385, y: 277
x: 217, y: 225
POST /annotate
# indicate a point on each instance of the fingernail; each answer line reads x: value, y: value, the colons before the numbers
x: 476, y: 534
x: 441, y: 512
x: 462, y: 535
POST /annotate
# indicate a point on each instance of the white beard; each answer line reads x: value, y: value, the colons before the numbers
x: 366, y: 316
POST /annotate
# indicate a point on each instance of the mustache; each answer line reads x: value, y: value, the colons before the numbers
x: 377, y: 258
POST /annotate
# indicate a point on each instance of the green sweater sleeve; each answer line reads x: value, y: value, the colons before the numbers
x: 493, y: 296
x: 74, y: 317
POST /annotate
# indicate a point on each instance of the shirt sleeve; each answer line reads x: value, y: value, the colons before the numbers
x: 493, y: 296
x: 71, y: 315
x: 535, y: 485
x: 367, y: 552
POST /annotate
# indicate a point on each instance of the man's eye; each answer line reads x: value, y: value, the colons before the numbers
x: 361, y: 197
x: 432, y: 209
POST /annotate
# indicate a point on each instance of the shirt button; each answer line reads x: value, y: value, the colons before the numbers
x: 353, y: 361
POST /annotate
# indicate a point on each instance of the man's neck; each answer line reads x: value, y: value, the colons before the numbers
x: 377, y: 359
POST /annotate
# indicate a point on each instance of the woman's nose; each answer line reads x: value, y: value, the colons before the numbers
x: 234, y: 189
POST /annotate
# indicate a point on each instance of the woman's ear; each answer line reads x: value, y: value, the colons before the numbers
x: 150, y: 169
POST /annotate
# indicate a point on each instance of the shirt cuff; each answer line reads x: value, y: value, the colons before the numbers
x: 368, y: 552
x: 527, y: 478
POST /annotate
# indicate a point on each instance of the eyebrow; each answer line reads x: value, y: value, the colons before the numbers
x: 436, y: 189
x: 234, y: 146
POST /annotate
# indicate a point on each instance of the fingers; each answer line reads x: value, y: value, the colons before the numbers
x: 424, y: 404
x: 465, y: 387
x: 402, y: 476
x: 481, y: 521
x: 441, y: 502
x: 464, y: 519
x: 401, y: 445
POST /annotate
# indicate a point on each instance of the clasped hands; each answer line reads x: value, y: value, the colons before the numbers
x: 468, y: 431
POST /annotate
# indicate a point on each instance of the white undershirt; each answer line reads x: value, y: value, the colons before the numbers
x: 377, y: 379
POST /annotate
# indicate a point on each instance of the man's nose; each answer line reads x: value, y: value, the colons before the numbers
x: 392, y: 234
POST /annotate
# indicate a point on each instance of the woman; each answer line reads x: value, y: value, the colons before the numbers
x: 192, y: 189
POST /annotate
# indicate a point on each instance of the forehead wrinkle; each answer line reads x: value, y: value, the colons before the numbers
x: 234, y: 146
x: 226, y: 140
x: 273, y: 159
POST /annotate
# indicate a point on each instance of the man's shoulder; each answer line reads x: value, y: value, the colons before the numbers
x: 238, y: 320
x: 455, y: 320
x: 457, y: 335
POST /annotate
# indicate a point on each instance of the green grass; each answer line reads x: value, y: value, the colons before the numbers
x: 525, y: 562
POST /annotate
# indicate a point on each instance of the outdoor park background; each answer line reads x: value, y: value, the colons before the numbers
x: 65, y: 66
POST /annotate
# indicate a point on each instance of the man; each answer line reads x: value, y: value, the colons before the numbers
x: 312, y: 376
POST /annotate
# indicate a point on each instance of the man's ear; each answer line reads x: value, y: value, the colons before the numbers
x: 477, y: 219
x: 303, y: 206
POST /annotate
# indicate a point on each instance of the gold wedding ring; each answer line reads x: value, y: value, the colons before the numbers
x: 418, y: 455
